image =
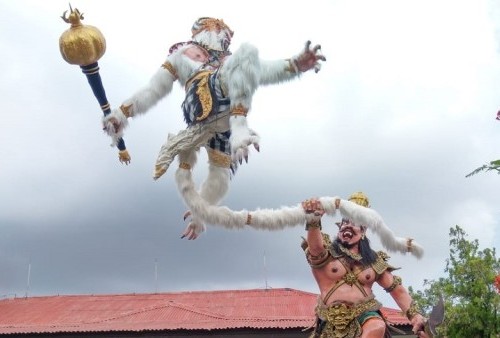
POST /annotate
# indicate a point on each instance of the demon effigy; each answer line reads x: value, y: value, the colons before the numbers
x: 219, y: 88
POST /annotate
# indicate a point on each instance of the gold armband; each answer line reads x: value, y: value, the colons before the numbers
x: 239, y: 110
x: 292, y: 67
x: 412, y: 310
x: 168, y: 66
x: 409, y: 245
x: 396, y: 280
x: 218, y: 158
x: 318, y: 261
x: 185, y: 165
x: 126, y: 110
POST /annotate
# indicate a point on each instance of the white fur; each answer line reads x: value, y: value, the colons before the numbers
x: 264, y: 219
x: 240, y: 72
x: 216, y: 185
x: 212, y: 191
x: 108, y: 121
x: 278, y: 219
x: 190, y: 157
x: 372, y: 220
x: 160, y: 85
x: 271, y: 72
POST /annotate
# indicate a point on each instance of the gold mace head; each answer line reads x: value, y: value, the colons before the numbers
x: 80, y: 44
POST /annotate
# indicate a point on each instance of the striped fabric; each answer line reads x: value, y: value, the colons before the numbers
x: 193, y: 110
x: 193, y: 105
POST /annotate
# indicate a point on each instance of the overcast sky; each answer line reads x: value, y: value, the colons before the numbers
x: 403, y: 109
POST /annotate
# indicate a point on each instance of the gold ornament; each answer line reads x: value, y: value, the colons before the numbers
x: 360, y: 199
x: 81, y: 44
x: 124, y: 156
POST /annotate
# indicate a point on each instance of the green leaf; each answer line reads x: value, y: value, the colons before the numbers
x: 471, y: 301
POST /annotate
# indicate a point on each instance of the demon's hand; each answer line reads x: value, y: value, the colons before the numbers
x: 314, y: 211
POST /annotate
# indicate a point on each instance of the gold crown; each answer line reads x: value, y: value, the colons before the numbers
x: 209, y: 24
x: 360, y: 198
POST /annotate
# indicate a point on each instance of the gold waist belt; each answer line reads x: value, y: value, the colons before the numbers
x: 341, y: 317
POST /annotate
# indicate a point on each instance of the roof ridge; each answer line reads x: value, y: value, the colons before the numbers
x: 170, y: 303
x: 193, y: 309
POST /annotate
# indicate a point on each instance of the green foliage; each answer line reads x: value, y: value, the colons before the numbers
x: 471, y: 301
x: 493, y: 165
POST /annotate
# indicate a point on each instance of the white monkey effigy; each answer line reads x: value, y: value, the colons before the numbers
x: 219, y: 88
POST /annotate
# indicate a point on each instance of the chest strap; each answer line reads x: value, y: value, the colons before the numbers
x: 349, y: 278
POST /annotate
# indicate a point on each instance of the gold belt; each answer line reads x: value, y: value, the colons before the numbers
x: 340, y: 317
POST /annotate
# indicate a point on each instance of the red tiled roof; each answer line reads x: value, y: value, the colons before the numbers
x: 395, y: 317
x: 199, y: 310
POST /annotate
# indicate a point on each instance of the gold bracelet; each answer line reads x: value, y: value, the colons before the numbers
x: 313, y: 225
x: 337, y: 203
x: 412, y: 311
x: 409, y: 245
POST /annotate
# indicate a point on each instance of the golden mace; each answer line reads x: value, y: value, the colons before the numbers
x: 84, y: 45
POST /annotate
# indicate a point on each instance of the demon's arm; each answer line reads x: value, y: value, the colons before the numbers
x: 393, y: 285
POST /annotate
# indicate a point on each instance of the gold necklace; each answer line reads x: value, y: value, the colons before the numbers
x: 357, y: 257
